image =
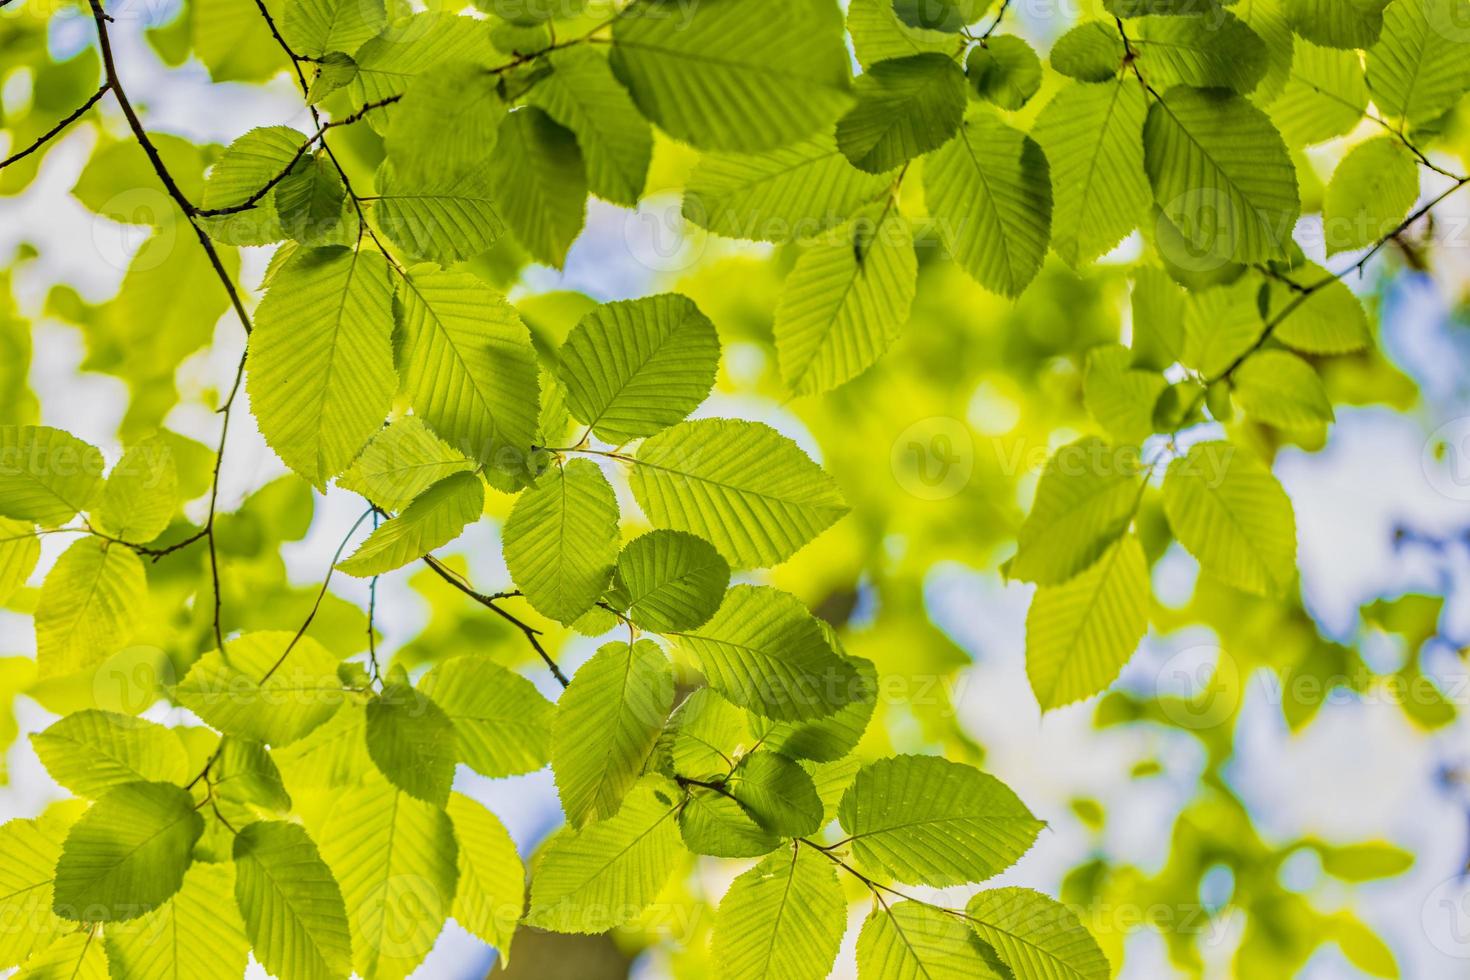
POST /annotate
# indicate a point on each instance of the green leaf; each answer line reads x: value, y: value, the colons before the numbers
x: 90, y: 752
x: 720, y: 76
x: 503, y: 722
x: 1281, y: 389
x: 28, y: 856
x: 447, y: 124
x: 789, y: 193
x: 401, y: 462
x: 274, y: 688
x: 939, y: 15
x: 582, y: 94
x: 1090, y: 52
x: 1267, y: 18
x: 1325, y: 95
x: 196, y: 935
x: 1370, y: 193
x: 703, y: 477
x: 846, y: 302
x: 778, y: 793
x: 467, y: 366
x: 784, y: 918
x: 397, y: 863
x: 1084, y: 502
x: 1092, y: 136
x: 1080, y: 634
x: 314, y: 27
x: 1221, y: 174
x: 923, y: 820
x: 1364, y: 862
x: 914, y: 941
x: 764, y: 652
x: 1220, y: 325
x: 1162, y: 8
x: 126, y: 855
x: 878, y: 34
x: 1213, y: 50
x: 718, y: 825
x: 539, y: 179
x: 91, y: 604
x: 320, y: 365
x: 1362, y: 947
x: 437, y: 218
x: 1337, y: 23
x: 435, y: 518
x: 623, y: 694
x: 989, y: 191
x: 141, y: 492
x: 247, y: 165
x: 602, y: 876
x: 1119, y: 396
x: 333, y: 756
x: 491, y: 896
x: 48, y: 474
x: 1004, y: 71
x: 336, y: 72
x: 830, y: 738
x: 78, y: 956
x: 1418, y: 68
x: 561, y: 540
x: 1227, y: 509
x: 1037, y: 937
x: 703, y: 734
x: 905, y: 108
x: 290, y: 903
x: 20, y: 550
x: 1158, y: 319
x: 245, y: 773
x: 412, y: 741
x: 635, y: 367
x: 311, y: 202
x: 670, y: 581
x: 387, y: 64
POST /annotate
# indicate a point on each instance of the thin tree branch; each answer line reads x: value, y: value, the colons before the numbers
x: 489, y: 602
x: 104, y: 43
x: 55, y: 130
x: 320, y: 595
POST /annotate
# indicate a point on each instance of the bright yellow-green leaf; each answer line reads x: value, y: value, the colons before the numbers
x: 1229, y: 512
x: 927, y: 820
x: 90, y: 752
x: 89, y: 607
x: 127, y: 855
x: 320, y: 370
x: 783, y: 918
x: 1080, y: 634
x: 742, y: 486
x: 623, y: 694
x: 396, y: 861
x: 503, y: 722
x: 595, y: 879
x: 561, y: 540
x: 290, y: 903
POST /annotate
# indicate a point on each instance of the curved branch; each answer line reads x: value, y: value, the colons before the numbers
x: 56, y: 130
x: 530, y: 632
